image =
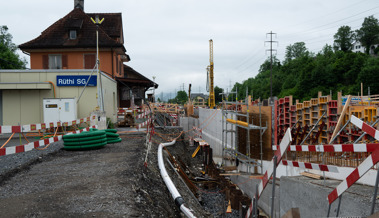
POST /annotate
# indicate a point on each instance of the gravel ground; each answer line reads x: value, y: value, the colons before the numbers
x: 107, y: 182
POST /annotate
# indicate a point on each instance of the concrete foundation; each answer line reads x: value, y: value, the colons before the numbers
x: 248, y: 186
x: 310, y: 196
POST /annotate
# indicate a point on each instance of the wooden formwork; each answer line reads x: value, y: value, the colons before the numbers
x: 255, y: 135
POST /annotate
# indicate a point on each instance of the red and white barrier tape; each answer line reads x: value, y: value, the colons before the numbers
x: 286, y: 141
x: 362, y: 168
x: 312, y: 166
x: 124, y: 110
x: 198, y: 132
x: 369, y: 147
x: 30, y: 146
x: 144, y: 114
x: 143, y: 124
x: 40, y: 126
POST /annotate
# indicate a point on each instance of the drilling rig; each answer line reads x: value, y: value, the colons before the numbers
x: 210, y: 84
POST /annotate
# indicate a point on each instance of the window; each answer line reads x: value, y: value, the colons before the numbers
x: 72, y: 34
x: 55, y: 61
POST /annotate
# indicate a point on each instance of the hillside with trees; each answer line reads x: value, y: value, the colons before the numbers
x: 335, y: 68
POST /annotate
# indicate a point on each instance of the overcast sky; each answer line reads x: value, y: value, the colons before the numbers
x: 169, y: 39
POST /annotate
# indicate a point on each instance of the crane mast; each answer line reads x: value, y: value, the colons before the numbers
x: 211, y: 99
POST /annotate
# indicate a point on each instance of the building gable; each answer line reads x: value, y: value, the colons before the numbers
x: 57, y: 36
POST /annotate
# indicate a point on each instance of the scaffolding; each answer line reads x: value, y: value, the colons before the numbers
x: 231, y: 111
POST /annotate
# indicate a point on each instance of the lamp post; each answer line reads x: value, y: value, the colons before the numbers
x: 97, y: 21
x: 154, y: 88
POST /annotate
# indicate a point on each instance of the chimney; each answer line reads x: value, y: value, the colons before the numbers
x: 79, y: 4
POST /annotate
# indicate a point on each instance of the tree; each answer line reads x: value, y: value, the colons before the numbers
x: 296, y: 50
x: 181, y: 97
x: 368, y: 34
x: 343, y: 39
x: 266, y: 66
x: 9, y: 59
x: 218, y: 97
x: 369, y: 75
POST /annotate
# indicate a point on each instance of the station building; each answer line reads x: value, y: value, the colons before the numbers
x: 62, y: 58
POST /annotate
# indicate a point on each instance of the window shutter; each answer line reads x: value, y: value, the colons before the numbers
x: 89, y: 61
x: 45, y: 61
x: 64, y: 62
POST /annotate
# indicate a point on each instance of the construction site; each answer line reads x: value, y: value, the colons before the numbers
x: 84, y: 139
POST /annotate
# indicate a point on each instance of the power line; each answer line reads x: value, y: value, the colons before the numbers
x: 315, y: 29
x: 271, y: 50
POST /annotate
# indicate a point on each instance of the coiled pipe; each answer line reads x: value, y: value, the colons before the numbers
x: 170, y: 185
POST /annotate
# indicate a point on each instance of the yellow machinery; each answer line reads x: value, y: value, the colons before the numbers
x: 211, y: 99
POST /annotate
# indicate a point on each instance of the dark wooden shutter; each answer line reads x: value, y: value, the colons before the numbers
x: 45, y: 61
x: 89, y: 61
x: 64, y: 62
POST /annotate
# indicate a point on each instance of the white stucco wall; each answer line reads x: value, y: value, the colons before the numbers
x: 22, y: 103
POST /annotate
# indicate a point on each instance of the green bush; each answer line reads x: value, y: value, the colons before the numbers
x: 110, y: 124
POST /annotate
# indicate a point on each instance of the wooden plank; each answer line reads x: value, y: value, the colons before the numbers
x: 230, y: 174
x: 311, y: 175
x: 337, y: 128
x: 230, y: 168
x: 256, y: 177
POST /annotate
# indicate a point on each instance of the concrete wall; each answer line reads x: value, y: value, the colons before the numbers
x: 210, y: 121
x: 23, y: 104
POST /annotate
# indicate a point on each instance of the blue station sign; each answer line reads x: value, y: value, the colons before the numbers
x: 76, y: 80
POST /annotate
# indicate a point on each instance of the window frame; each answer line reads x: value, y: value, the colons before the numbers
x: 71, y: 36
x: 57, y: 58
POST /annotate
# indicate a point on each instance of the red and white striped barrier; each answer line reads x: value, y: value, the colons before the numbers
x: 286, y: 141
x: 143, y: 124
x: 30, y: 146
x: 354, y: 176
x: 40, y: 126
x: 365, y: 127
x: 369, y: 147
x: 312, y: 166
x: 144, y: 114
x: 362, y: 168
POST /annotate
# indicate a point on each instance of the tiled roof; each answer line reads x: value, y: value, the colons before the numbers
x: 112, y: 24
x: 195, y: 95
x: 57, y: 35
x: 132, y: 76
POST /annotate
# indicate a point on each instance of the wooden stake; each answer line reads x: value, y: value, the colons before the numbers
x: 340, y: 119
x: 229, y: 209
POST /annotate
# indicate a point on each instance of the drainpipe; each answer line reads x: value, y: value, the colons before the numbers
x: 170, y: 185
